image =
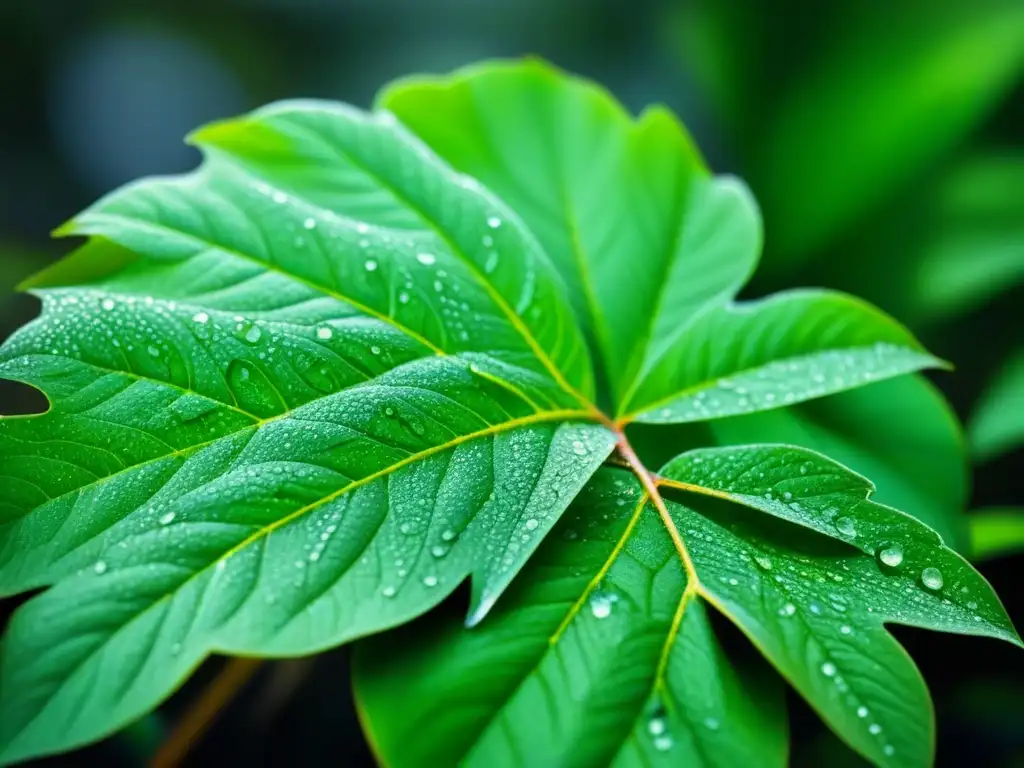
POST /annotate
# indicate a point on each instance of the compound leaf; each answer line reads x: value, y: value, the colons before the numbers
x: 300, y: 395
x: 599, y: 188
x: 609, y: 585
x: 280, y: 426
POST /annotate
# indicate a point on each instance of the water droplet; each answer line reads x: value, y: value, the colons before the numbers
x: 656, y: 726
x: 828, y: 669
x: 601, y: 603
x: 531, y: 524
x: 763, y: 561
x: 370, y: 265
x: 846, y: 527
x: 403, y: 298
x: 711, y: 723
x: 201, y: 317
x: 430, y: 581
x: 388, y: 591
x: 107, y: 304
x: 309, y: 223
x: 787, y: 610
x: 253, y: 334
x: 579, y: 448
x: 663, y: 743
x: 166, y: 519
x: 891, y: 555
x: 448, y: 535
x: 862, y: 712
x: 100, y: 567
x: 153, y: 351
x: 426, y: 259
x: 846, y: 629
x: 874, y: 729
x: 889, y: 750
x: 438, y: 551
x: 324, y: 333
x: 932, y: 578
x: 280, y: 197
x: 493, y: 222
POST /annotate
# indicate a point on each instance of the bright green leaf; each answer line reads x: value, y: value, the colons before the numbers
x: 300, y: 395
x: 598, y: 188
x: 592, y: 658
x: 589, y: 664
x: 996, y: 532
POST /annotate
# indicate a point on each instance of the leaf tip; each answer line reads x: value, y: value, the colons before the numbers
x: 477, y: 614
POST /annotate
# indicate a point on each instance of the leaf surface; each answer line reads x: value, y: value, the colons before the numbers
x: 276, y: 427
x: 599, y: 188
x: 813, y: 599
x: 300, y: 395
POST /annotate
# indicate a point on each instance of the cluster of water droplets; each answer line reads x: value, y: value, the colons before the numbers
x: 785, y: 382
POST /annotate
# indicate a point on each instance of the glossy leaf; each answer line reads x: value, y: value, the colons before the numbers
x: 280, y: 427
x: 598, y: 188
x: 998, y: 422
x: 302, y: 394
x: 535, y: 685
x: 589, y: 660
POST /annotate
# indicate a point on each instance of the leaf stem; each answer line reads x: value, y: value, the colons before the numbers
x: 650, y: 485
x: 202, y: 713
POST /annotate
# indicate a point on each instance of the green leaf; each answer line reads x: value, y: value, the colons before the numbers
x: 546, y: 680
x: 598, y: 188
x: 590, y: 659
x: 998, y: 422
x: 302, y: 394
x: 279, y: 427
x: 996, y: 533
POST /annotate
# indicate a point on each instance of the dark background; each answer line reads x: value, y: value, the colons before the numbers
x: 851, y: 120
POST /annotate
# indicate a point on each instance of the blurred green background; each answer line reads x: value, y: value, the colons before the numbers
x: 884, y: 142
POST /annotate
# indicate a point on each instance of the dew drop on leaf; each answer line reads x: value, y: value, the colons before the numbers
x: 426, y: 259
x: 430, y: 581
x: 324, y: 333
x: 787, y: 610
x: 601, y: 603
x: 370, y: 265
x: 932, y: 578
x: 828, y: 669
x: 166, y: 518
x: 711, y: 723
x: 846, y: 527
x: 891, y: 555
x: 100, y: 567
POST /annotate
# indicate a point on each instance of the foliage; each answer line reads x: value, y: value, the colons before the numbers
x: 301, y: 394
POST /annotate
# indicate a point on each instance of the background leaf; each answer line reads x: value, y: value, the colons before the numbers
x: 998, y: 422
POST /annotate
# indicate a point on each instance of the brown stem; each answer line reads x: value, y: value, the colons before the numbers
x: 204, y: 711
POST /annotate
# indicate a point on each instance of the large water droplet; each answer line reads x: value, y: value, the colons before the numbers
x: 891, y: 555
x: 253, y: 334
x: 601, y: 603
x: 932, y: 578
x: 846, y: 527
x: 324, y: 333
x: 166, y: 518
x: 100, y: 567
x: 426, y: 259
x: 828, y: 669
